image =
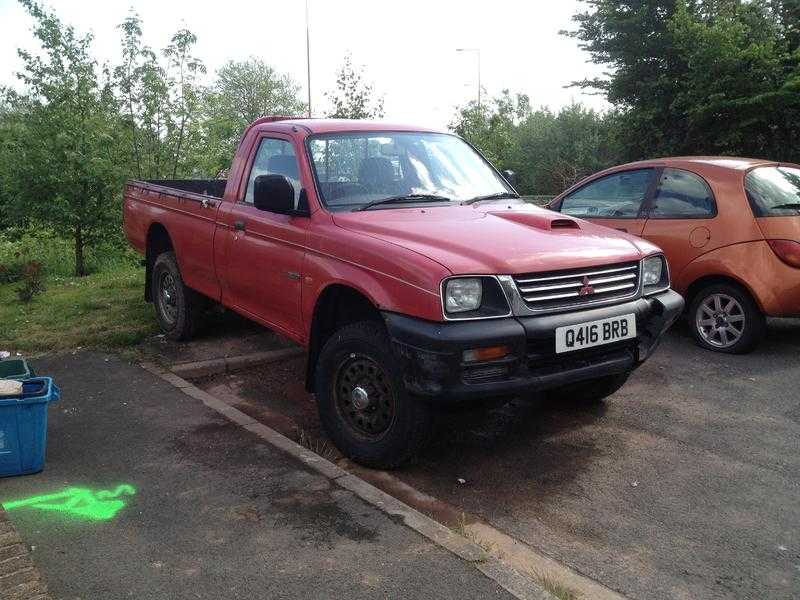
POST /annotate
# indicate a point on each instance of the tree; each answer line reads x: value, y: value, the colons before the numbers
x: 12, y: 127
x: 492, y: 125
x: 741, y: 90
x: 698, y: 76
x: 182, y: 126
x: 555, y: 150
x: 547, y: 151
x: 65, y: 164
x: 353, y: 98
x: 160, y: 98
x: 243, y: 92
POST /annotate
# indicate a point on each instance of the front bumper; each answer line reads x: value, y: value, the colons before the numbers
x: 432, y: 352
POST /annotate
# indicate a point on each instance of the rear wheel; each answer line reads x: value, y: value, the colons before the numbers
x: 363, y: 403
x: 589, y: 392
x: 177, y: 307
x: 725, y: 318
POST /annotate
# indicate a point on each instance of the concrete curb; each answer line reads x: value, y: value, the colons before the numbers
x: 19, y: 577
x: 507, y: 577
x: 215, y: 366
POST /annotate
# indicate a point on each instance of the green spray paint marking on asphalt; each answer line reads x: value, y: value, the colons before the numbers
x: 100, y: 505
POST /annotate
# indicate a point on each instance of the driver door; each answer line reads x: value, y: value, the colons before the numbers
x: 617, y: 200
x: 265, y: 250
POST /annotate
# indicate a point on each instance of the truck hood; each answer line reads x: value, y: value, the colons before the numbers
x: 497, y: 237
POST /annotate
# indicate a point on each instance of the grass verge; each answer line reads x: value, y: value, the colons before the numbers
x: 105, y: 310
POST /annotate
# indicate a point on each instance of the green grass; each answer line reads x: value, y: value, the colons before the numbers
x: 105, y: 310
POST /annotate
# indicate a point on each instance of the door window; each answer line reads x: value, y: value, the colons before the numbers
x: 617, y: 196
x: 274, y: 157
x: 682, y: 195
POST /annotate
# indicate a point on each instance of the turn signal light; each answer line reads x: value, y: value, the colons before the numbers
x: 787, y: 250
x: 485, y: 354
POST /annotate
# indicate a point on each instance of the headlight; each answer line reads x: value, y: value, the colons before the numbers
x: 474, y: 298
x: 463, y: 294
x: 655, y: 274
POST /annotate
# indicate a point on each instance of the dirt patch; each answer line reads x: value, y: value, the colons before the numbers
x: 222, y: 334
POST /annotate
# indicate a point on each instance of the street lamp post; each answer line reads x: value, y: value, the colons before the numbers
x: 477, y: 52
x: 308, y: 62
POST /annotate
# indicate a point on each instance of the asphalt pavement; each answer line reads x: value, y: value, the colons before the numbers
x: 685, y: 484
x: 149, y: 494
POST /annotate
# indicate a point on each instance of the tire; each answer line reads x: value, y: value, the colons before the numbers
x: 177, y: 307
x: 382, y: 425
x: 589, y: 392
x: 725, y: 318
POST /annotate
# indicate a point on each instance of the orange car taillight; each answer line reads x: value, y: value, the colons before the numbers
x: 787, y: 250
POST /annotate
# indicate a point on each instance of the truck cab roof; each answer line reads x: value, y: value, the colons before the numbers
x: 318, y: 126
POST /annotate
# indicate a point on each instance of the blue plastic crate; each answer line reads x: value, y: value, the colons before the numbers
x: 23, y: 427
x: 15, y: 368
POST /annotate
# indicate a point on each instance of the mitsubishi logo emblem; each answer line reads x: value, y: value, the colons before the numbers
x: 587, y: 287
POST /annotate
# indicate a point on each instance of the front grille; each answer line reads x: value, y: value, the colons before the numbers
x: 577, y: 287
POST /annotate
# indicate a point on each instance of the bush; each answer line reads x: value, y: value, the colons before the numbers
x: 32, y: 282
x: 11, y: 272
x: 19, y: 246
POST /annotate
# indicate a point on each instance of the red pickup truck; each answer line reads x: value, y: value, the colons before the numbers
x: 408, y: 267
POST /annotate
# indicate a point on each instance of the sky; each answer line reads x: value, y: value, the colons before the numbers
x: 408, y: 48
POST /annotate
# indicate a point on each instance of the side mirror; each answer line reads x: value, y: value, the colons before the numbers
x: 275, y: 193
x: 510, y: 176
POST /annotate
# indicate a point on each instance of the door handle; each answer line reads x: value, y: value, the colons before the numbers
x: 238, y: 225
x: 622, y: 229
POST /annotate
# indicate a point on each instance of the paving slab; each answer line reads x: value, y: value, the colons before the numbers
x: 153, y: 495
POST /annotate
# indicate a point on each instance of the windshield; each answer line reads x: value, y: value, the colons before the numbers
x: 774, y: 191
x: 353, y: 170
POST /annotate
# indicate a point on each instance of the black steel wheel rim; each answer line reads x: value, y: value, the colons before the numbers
x: 364, y: 397
x: 168, y: 296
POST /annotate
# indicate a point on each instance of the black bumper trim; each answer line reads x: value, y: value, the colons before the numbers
x: 431, y: 351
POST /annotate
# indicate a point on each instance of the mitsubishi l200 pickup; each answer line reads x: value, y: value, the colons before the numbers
x: 410, y: 270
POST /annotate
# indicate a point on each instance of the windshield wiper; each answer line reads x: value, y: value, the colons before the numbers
x: 497, y: 196
x: 795, y: 205
x: 404, y: 199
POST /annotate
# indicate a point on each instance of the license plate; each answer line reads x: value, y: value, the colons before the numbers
x: 595, y: 333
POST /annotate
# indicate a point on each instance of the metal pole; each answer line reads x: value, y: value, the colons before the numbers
x: 477, y: 51
x: 308, y: 62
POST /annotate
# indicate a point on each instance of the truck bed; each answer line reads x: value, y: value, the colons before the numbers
x: 203, y: 187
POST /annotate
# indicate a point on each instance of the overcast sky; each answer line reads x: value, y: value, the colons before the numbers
x: 408, y: 47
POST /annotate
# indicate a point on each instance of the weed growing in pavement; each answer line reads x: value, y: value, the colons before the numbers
x: 555, y: 587
x: 462, y: 528
x: 316, y: 445
x: 549, y: 583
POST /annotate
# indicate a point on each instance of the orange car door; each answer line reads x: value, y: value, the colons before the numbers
x: 616, y: 200
x: 680, y: 217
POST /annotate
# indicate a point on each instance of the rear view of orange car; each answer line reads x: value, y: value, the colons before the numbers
x: 730, y: 228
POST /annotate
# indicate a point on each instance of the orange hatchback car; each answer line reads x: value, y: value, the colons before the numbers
x: 730, y: 228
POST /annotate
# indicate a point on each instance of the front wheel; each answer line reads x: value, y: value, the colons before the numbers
x: 363, y: 404
x: 589, y: 392
x: 725, y: 318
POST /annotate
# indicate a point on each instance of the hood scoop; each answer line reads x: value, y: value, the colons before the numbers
x: 540, y: 220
